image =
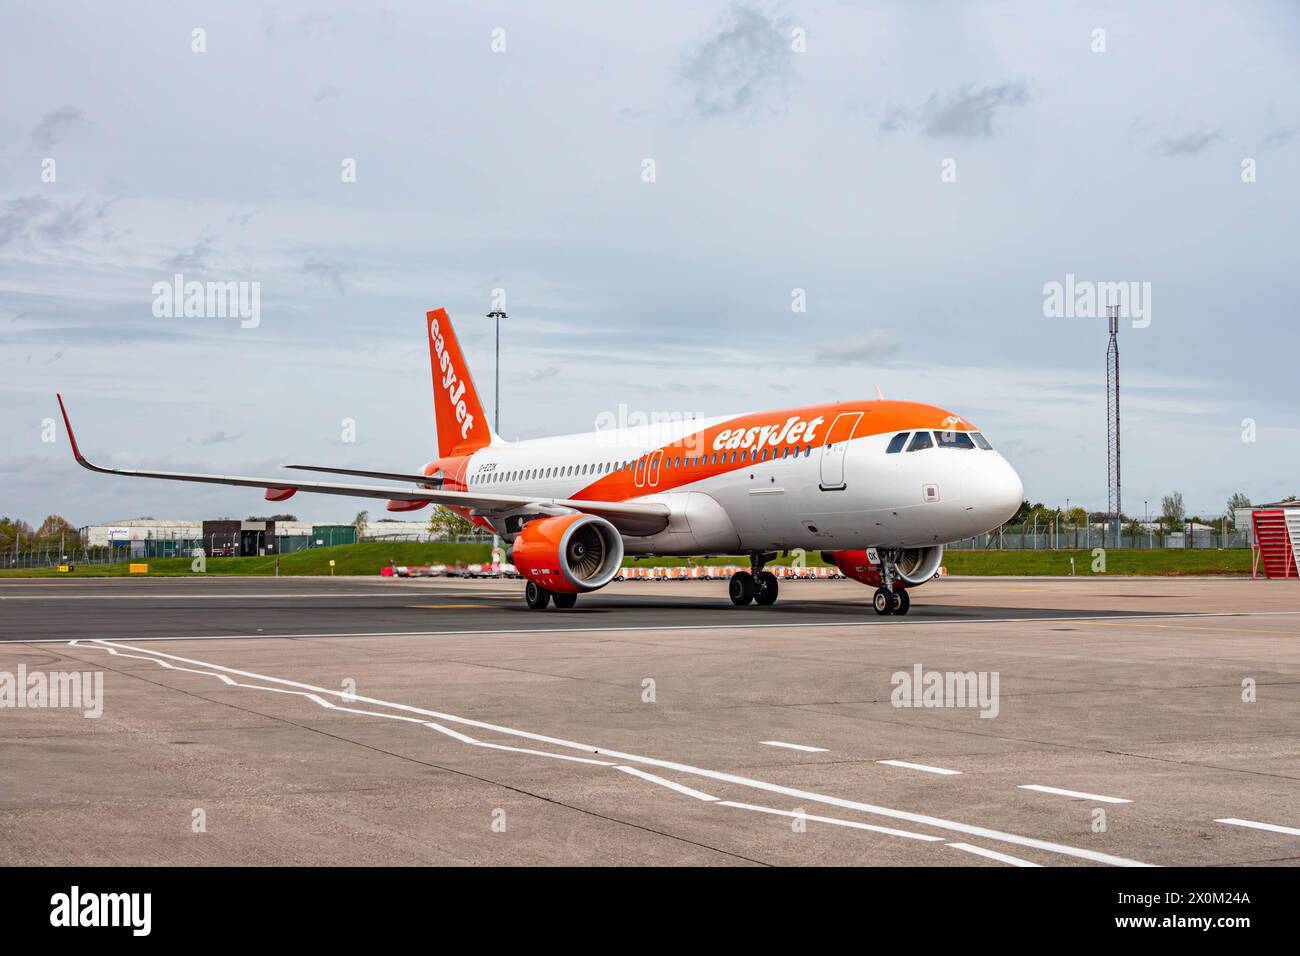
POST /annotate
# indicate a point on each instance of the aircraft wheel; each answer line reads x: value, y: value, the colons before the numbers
x: 741, y: 588
x: 565, y: 601
x: 883, y: 602
x: 767, y: 588
x: 536, y: 595
x: 901, y: 601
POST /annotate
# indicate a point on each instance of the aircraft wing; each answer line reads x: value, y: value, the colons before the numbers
x: 629, y: 517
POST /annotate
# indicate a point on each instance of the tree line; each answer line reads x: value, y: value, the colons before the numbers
x: 17, y: 535
x: 1173, y: 514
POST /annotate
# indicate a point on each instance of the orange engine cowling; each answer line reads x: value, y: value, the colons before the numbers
x: 568, y: 553
x: 915, y: 566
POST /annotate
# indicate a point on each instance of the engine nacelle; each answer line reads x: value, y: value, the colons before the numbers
x: 915, y: 566
x: 568, y: 553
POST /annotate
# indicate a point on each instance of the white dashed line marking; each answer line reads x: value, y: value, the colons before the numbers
x: 920, y: 766
x: 805, y: 747
x: 1254, y: 825
x: 837, y: 821
x: 991, y: 854
x: 1077, y: 794
x: 670, y: 784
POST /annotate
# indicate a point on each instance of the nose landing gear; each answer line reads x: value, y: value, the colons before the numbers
x: 889, y: 599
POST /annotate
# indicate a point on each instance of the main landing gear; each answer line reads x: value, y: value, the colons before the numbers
x: 755, y: 585
x: 891, y: 602
x: 889, y: 599
x: 537, y: 597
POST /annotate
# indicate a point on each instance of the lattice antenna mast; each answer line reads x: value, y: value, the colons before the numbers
x: 1114, y: 503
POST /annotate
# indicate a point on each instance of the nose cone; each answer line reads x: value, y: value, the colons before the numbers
x: 992, y: 489
x: 1010, y: 491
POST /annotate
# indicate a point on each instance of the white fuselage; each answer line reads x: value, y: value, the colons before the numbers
x: 817, y: 494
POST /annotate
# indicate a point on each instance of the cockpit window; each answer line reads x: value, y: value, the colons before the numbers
x: 920, y: 440
x: 981, y: 441
x: 954, y: 440
x: 896, y: 443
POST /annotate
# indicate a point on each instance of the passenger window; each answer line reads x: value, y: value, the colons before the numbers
x: 981, y: 441
x: 954, y: 440
x: 896, y: 443
x: 920, y: 440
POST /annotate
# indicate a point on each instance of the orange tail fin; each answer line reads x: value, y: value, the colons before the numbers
x: 462, y: 423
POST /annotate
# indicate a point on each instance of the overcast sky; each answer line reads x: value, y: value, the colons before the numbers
x: 795, y: 146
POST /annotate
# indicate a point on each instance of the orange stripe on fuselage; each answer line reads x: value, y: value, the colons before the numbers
x: 755, y: 432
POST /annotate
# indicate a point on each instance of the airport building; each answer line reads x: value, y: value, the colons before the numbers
x: 392, y: 529
x: 219, y: 537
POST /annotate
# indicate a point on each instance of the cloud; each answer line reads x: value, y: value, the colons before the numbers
x: 871, y: 349
x: 1279, y: 137
x: 735, y: 70
x: 966, y: 112
x: 53, y: 124
x: 34, y: 217
x: 540, y: 375
x: 220, y: 438
x: 324, y: 94
x: 1189, y: 144
x: 243, y: 219
x: 328, y: 271
x: 195, y: 257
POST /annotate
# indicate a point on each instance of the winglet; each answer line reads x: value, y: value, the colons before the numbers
x: 880, y: 396
x: 76, y: 452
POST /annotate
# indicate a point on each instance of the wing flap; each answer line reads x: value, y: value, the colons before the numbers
x: 435, y: 479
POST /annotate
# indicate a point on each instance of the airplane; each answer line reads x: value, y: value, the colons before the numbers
x: 877, y: 486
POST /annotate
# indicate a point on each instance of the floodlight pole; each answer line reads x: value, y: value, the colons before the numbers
x: 497, y: 314
x: 1114, y: 503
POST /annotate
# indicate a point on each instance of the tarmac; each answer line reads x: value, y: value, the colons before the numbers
x: 1004, y: 721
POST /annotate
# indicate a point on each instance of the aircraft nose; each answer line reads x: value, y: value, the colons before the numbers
x: 993, y: 489
x: 1010, y: 491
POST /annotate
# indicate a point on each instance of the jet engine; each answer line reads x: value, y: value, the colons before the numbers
x: 913, y: 567
x: 568, y: 554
